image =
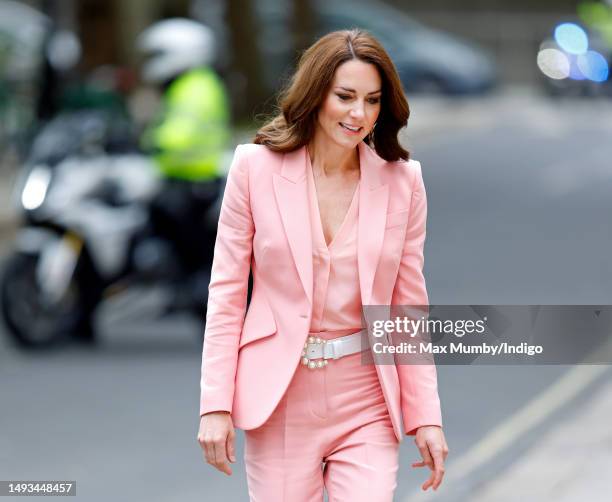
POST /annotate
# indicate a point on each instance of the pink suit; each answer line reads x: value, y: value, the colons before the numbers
x: 250, y: 365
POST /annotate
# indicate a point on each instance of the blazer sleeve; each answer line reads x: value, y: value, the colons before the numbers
x: 420, y: 402
x: 227, y: 292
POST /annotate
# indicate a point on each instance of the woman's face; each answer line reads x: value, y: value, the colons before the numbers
x: 353, y: 102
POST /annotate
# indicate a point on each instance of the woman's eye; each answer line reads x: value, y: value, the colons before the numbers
x: 372, y: 101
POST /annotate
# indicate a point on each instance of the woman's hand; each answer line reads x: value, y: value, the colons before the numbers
x: 434, y: 450
x: 216, y: 438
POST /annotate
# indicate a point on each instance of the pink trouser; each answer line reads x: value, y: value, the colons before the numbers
x: 334, y: 415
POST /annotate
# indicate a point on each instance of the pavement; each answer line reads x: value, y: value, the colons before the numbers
x: 568, y: 463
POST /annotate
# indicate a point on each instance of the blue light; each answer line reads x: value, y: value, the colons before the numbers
x: 593, y: 66
x: 575, y: 73
x: 571, y: 38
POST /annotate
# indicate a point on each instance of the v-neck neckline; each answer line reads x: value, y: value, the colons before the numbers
x: 318, y: 210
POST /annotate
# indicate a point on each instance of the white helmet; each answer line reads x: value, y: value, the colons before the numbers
x: 174, y: 46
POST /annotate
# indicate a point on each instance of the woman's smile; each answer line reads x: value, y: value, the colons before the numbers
x: 352, y: 130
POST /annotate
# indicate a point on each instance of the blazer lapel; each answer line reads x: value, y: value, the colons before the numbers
x: 291, y: 194
x: 373, y: 200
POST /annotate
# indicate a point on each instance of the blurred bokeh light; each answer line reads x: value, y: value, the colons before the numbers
x: 571, y: 38
x: 568, y: 56
x: 553, y: 63
x: 593, y: 66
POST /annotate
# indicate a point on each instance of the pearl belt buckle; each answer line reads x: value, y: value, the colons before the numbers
x: 314, y: 362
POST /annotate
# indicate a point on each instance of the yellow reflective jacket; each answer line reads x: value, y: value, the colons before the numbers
x: 192, y: 130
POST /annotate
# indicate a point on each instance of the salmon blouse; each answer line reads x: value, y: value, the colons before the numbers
x: 336, y: 294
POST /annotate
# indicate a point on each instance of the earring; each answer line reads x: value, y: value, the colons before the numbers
x: 371, y: 135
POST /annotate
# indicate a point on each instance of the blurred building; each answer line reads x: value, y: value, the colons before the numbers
x: 108, y: 28
x: 511, y: 30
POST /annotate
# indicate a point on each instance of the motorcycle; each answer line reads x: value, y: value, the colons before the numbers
x: 97, y: 225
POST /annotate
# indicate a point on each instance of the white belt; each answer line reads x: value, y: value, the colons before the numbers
x: 317, y: 350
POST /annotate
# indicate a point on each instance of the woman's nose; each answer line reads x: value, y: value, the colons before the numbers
x: 358, y: 111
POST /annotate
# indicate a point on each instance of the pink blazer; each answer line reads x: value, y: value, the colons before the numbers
x: 248, y: 361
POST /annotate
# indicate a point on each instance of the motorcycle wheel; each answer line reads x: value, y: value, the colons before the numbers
x: 34, y: 325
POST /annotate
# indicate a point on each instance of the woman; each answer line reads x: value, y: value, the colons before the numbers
x: 329, y: 215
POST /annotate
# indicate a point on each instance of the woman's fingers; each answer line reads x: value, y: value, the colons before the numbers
x: 221, y: 461
x: 216, y: 438
x: 424, y: 451
x: 428, y: 461
x: 445, y: 450
x: 207, y: 448
x: 230, y: 446
x: 434, y: 451
x: 438, y: 458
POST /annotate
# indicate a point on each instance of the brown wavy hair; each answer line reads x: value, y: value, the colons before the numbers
x: 299, y: 101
